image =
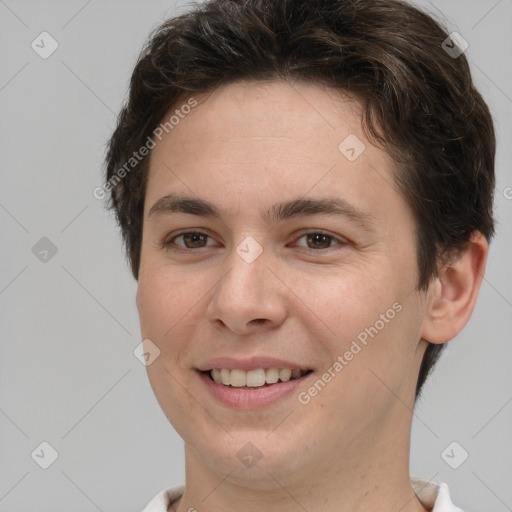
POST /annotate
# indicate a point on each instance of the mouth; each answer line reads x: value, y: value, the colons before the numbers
x: 253, y: 379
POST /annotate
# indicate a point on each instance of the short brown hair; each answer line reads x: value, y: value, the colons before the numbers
x: 419, y: 103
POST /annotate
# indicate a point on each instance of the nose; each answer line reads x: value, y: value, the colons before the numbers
x: 249, y: 297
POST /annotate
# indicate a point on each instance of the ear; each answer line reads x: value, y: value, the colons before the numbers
x: 452, y: 295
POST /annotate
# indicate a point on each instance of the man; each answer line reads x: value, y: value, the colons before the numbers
x: 305, y: 192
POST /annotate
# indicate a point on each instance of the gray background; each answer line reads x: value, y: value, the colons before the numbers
x: 68, y: 375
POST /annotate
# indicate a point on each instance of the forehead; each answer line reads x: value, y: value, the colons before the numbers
x: 284, y: 111
x: 267, y: 142
x: 258, y: 118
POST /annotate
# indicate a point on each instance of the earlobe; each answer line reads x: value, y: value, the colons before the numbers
x: 452, y: 295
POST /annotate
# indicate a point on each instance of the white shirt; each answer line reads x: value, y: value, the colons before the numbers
x: 435, y: 497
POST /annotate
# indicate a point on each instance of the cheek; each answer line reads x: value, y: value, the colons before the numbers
x: 375, y: 369
x: 163, y: 302
x: 163, y: 305
x: 372, y: 320
x: 349, y: 300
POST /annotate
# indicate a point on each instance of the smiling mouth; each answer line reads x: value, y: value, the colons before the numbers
x: 258, y: 378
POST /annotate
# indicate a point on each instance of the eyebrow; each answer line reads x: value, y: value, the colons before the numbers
x: 333, y: 206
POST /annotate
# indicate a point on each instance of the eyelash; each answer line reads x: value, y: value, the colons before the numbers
x: 169, y: 245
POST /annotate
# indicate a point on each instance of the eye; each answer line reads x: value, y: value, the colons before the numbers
x: 191, y: 239
x: 315, y: 241
x: 320, y: 240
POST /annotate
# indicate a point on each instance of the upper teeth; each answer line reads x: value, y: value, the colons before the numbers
x: 254, y: 378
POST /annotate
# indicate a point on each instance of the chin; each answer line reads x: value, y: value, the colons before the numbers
x: 252, y: 459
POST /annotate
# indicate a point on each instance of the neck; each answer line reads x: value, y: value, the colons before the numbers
x: 370, y: 473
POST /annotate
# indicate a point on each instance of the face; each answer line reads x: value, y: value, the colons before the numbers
x: 303, y: 258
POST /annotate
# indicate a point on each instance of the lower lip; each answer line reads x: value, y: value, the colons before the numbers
x: 250, y: 398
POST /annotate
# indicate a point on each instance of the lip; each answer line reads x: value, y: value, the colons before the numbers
x: 252, y: 363
x: 247, y: 398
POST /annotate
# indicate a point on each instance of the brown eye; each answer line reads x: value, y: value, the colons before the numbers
x: 194, y: 240
x: 317, y: 241
x: 191, y: 240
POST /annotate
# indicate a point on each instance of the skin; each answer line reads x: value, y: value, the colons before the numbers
x: 245, y: 147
